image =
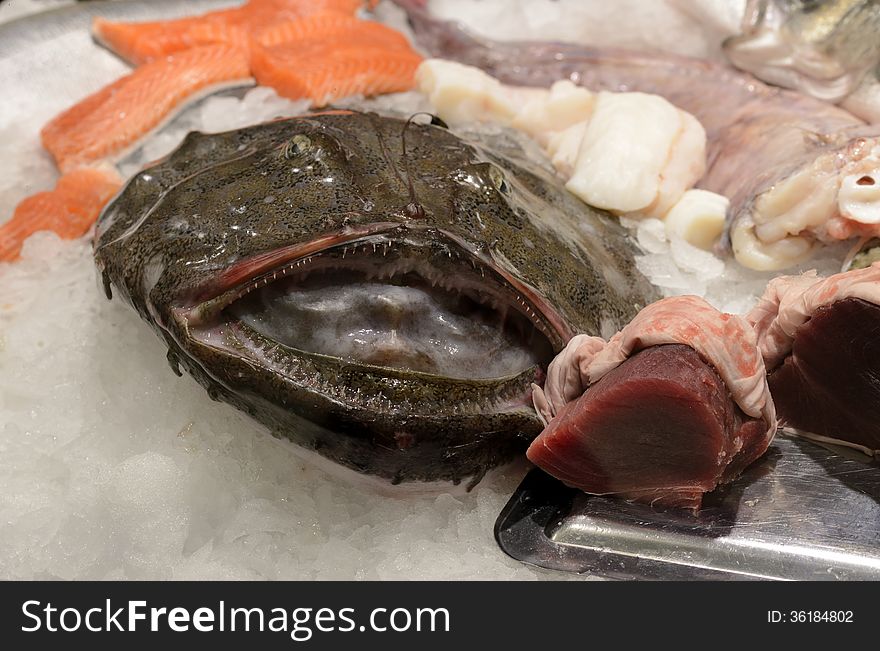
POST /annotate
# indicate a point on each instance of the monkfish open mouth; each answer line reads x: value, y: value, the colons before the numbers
x: 411, y: 304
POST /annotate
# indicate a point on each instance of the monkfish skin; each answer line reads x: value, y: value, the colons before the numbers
x: 227, y: 214
x: 759, y: 138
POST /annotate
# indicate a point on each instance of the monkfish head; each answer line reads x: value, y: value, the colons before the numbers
x: 375, y: 289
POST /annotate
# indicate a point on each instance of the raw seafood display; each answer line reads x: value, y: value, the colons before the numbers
x: 407, y: 252
x: 351, y: 215
x: 797, y: 171
x: 819, y: 340
x: 670, y: 407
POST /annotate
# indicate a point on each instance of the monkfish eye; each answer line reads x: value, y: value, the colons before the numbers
x: 296, y: 146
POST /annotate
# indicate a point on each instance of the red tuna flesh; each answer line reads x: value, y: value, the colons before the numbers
x: 660, y: 428
x: 830, y: 383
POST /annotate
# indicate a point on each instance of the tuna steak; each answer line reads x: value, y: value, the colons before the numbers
x: 818, y: 337
x: 829, y: 385
x: 660, y: 428
x: 673, y: 405
x: 381, y: 291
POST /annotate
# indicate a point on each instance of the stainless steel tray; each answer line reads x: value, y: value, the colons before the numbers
x: 801, y: 512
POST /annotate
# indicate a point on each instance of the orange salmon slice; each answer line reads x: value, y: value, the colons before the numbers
x: 339, y: 73
x: 147, y: 41
x: 142, y: 42
x: 329, y: 24
x: 110, y: 121
x: 326, y: 57
x: 69, y: 210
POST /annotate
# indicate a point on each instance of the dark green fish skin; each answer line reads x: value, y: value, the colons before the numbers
x: 186, y: 234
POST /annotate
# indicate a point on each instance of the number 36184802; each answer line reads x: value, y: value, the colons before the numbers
x: 809, y: 616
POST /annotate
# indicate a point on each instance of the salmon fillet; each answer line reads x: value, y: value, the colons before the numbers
x: 109, y: 121
x: 138, y: 43
x: 329, y: 24
x: 69, y: 210
x: 147, y: 41
x: 341, y: 73
x: 326, y: 57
